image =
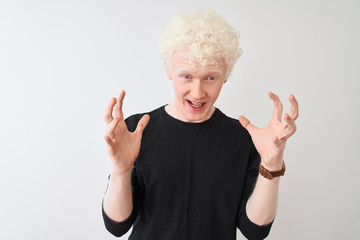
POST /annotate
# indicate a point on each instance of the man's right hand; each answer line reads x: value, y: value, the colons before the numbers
x: 123, y: 146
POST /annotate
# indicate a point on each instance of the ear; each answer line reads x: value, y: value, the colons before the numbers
x: 167, y: 68
x: 225, y: 81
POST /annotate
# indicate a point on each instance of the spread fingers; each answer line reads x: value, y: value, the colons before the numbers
x: 118, y: 107
x: 110, y: 130
x: 278, y: 106
x: 294, y: 110
x: 289, y: 128
x: 108, y: 111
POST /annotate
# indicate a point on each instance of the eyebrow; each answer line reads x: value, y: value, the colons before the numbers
x: 181, y: 70
x: 216, y: 71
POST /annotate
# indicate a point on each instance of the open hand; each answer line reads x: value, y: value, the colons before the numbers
x: 270, y: 141
x: 123, y: 146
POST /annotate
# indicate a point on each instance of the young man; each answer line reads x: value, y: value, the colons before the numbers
x: 185, y: 170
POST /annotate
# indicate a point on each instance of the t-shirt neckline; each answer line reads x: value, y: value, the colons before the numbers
x: 209, y: 121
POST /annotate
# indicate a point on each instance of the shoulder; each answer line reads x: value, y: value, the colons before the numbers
x: 133, y: 120
x: 232, y: 124
x: 238, y: 136
x: 232, y: 131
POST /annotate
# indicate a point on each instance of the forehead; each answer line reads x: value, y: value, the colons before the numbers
x: 181, y: 62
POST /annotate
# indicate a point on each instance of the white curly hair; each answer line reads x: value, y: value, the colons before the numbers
x: 204, y: 37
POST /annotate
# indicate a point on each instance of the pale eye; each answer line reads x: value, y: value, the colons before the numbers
x: 186, y: 76
x: 210, y: 78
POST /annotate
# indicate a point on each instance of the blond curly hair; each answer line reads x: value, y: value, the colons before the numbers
x: 205, y: 38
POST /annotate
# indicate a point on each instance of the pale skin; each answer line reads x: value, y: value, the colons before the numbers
x: 203, y: 88
x: 123, y: 148
x: 270, y: 143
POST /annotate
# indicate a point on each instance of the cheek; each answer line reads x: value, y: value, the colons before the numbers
x: 179, y: 88
x: 215, y: 90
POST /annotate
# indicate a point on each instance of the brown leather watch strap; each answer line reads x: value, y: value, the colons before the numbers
x: 270, y: 175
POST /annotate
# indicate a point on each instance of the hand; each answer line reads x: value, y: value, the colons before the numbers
x: 270, y: 141
x: 123, y: 146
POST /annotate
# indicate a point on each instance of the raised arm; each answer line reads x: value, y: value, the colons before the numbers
x: 123, y: 148
x: 270, y: 143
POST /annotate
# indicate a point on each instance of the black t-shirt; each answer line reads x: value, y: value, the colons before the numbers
x: 191, y: 180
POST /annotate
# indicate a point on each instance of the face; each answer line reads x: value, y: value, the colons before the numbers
x: 196, y: 89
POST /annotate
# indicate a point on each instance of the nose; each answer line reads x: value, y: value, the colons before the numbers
x: 197, y: 90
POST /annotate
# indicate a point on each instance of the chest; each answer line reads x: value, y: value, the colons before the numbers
x: 198, y: 162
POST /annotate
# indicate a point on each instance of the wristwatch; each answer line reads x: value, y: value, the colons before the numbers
x: 270, y: 175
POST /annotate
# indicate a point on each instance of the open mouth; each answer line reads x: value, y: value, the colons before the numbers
x: 195, y: 105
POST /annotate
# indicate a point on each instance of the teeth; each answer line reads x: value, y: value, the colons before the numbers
x: 196, y: 105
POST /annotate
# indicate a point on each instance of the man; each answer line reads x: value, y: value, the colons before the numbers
x: 185, y: 170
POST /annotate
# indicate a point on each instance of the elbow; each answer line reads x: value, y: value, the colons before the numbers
x: 117, y: 229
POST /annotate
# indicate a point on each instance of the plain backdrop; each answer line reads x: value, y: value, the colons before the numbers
x: 62, y: 61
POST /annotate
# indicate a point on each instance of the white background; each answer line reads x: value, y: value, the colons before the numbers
x: 62, y: 61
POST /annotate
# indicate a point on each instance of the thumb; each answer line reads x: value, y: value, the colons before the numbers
x: 246, y: 123
x: 142, y: 124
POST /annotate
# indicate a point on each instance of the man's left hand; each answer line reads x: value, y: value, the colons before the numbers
x: 270, y: 141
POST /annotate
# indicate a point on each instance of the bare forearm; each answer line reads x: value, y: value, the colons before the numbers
x: 262, y: 204
x: 118, y: 198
